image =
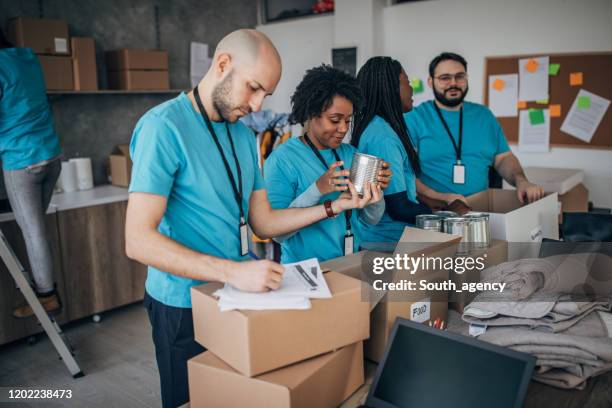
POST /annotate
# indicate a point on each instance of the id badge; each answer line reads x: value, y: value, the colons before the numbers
x: 244, y: 238
x: 459, y: 173
x: 348, y: 244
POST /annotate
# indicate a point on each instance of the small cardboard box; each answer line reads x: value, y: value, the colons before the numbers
x: 138, y: 80
x: 120, y: 166
x: 84, y: 63
x: 57, y: 72
x: 136, y: 59
x: 496, y: 253
x: 575, y: 200
x: 43, y: 36
x: 256, y: 341
x: 512, y: 221
x: 324, y: 381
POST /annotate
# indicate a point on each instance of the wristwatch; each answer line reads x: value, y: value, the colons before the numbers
x: 328, y: 208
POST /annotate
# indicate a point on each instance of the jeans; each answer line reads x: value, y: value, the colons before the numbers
x: 29, y: 192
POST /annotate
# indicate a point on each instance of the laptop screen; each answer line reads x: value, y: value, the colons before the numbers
x: 426, y: 367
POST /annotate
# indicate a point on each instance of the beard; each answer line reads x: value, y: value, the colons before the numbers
x: 451, y: 103
x: 221, y: 98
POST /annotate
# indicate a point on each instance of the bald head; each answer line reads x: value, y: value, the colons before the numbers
x: 246, y: 46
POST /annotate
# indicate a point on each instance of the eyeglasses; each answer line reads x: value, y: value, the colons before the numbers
x: 460, y: 78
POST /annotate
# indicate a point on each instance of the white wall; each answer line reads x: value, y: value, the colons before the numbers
x: 415, y: 32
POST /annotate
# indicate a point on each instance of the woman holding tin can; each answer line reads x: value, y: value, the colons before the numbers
x: 314, y: 167
x: 381, y: 131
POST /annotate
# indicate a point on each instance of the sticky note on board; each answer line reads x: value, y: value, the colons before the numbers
x: 521, y: 105
x: 554, y: 111
x: 553, y: 69
x: 576, y: 78
x: 532, y: 65
x: 542, y: 102
x: 536, y: 116
x: 417, y: 85
x: 499, y: 84
x: 584, y: 102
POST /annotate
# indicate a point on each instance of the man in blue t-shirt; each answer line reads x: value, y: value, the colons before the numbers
x: 458, y: 141
x: 195, y: 186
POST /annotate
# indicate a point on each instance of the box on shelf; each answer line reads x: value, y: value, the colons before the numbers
x: 57, y: 72
x: 257, y: 341
x: 42, y: 35
x: 120, y: 165
x: 138, y: 80
x: 136, y: 59
x: 84, y: 63
x: 323, y: 381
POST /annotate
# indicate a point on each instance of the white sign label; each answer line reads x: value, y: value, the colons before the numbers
x: 420, y: 311
x: 536, y: 234
x: 61, y: 44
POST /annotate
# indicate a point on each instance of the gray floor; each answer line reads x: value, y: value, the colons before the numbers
x: 117, y: 356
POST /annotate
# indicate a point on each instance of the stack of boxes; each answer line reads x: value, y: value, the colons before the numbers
x: 49, y: 39
x: 281, y: 358
x: 134, y: 69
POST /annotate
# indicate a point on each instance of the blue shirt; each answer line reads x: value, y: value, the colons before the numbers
x: 26, y: 124
x: 483, y: 139
x: 380, y: 140
x: 289, y: 171
x: 175, y: 156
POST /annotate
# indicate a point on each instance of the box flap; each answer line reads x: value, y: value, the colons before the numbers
x: 424, y: 241
x: 121, y: 150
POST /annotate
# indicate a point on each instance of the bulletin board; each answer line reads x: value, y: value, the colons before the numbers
x: 597, y: 78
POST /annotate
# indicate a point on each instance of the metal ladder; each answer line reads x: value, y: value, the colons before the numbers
x: 48, y: 323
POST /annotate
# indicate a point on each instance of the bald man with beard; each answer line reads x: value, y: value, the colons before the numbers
x: 195, y: 186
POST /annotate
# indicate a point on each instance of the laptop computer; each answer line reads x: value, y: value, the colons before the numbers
x: 426, y: 367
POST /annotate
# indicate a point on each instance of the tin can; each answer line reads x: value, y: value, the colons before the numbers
x: 479, y: 234
x: 364, y: 168
x: 429, y: 222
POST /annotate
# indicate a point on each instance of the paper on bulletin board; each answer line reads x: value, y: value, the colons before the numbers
x: 503, y: 95
x: 426, y: 94
x: 585, y: 115
x: 533, y: 78
x: 199, y: 62
x: 534, y: 137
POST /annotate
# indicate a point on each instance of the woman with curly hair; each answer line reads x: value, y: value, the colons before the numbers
x: 313, y: 168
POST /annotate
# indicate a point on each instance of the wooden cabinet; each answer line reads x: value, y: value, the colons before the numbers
x: 98, y: 275
x: 92, y: 272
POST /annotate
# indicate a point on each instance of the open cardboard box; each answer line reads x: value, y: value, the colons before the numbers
x: 257, y: 341
x: 323, y: 381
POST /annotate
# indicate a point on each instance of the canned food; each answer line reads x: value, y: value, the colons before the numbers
x: 364, y: 168
x: 429, y: 222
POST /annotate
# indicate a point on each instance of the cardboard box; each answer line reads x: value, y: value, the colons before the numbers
x: 135, y: 59
x: 84, y: 63
x: 575, y: 200
x: 257, y: 341
x: 496, y: 253
x: 43, y: 36
x: 138, y: 80
x: 57, y: 72
x: 120, y: 166
x: 511, y: 221
x: 553, y: 180
x: 323, y: 381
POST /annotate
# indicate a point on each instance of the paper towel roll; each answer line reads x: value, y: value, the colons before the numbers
x: 68, y: 177
x: 83, y: 173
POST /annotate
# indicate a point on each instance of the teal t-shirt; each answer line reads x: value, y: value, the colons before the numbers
x: 26, y: 124
x: 380, y: 140
x: 483, y: 139
x: 289, y: 171
x: 175, y: 156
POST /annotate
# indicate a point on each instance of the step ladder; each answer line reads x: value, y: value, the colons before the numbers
x: 47, y: 322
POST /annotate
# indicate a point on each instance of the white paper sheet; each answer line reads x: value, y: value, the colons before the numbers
x: 504, y: 102
x: 533, y: 86
x: 199, y: 62
x: 583, y: 122
x: 534, y: 138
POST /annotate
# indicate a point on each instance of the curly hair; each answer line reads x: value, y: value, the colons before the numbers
x: 316, y: 91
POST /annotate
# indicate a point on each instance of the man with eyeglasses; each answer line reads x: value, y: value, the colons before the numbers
x: 458, y: 141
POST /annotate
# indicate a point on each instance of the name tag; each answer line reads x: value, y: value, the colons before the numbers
x: 244, y: 239
x: 348, y: 244
x: 459, y: 174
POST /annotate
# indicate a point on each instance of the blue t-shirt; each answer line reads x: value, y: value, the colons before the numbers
x: 289, y: 171
x: 380, y: 140
x: 26, y: 124
x: 483, y: 139
x: 175, y: 156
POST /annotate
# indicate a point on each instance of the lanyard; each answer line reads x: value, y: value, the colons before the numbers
x: 237, y: 190
x: 347, y: 214
x: 450, y: 135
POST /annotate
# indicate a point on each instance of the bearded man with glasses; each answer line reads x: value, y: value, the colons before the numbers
x: 458, y: 141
